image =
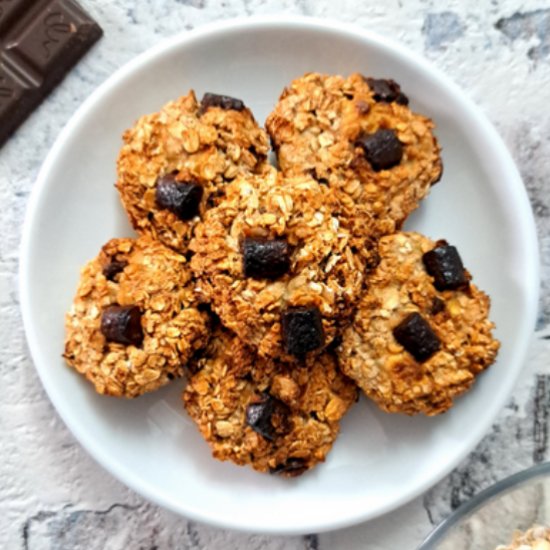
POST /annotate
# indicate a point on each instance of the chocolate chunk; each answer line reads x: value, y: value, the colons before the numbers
x: 122, y: 324
x: 416, y: 335
x: 302, y: 330
x: 382, y: 149
x: 181, y: 198
x: 260, y: 416
x: 111, y: 270
x: 402, y: 99
x: 387, y: 90
x: 265, y: 258
x: 362, y: 107
x: 444, y: 264
x: 291, y: 468
x: 39, y: 43
x: 222, y: 101
x: 438, y: 306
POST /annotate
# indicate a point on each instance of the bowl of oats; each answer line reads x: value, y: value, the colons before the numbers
x: 513, y: 514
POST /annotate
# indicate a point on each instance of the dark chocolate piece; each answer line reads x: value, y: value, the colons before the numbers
x: 265, y: 258
x: 40, y: 41
x: 415, y: 334
x: 444, y: 264
x: 181, y: 198
x: 122, y: 324
x: 382, y: 149
x: 111, y: 270
x: 10, y: 9
x: 438, y: 305
x: 387, y: 90
x: 268, y: 417
x: 222, y: 101
x: 302, y: 330
x: 291, y: 468
x: 362, y: 107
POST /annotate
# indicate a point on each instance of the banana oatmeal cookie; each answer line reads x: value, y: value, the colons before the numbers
x: 175, y: 163
x: 357, y: 135
x: 276, y: 417
x: 134, y: 323
x: 421, y: 333
x: 277, y: 264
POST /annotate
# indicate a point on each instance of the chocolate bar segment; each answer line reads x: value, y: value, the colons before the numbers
x: 9, y: 9
x: 13, y: 91
x: 40, y: 41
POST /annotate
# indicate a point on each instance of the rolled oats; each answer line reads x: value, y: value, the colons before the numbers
x: 316, y: 128
x: 157, y: 281
x: 208, y: 148
x: 387, y: 372
x: 536, y: 538
x: 327, y: 262
x: 307, y: 400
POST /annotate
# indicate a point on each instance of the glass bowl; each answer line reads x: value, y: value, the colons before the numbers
x: 491, y: 517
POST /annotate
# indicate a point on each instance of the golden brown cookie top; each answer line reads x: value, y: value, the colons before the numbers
x: 273, y: 416
x: 134, y: 322
x: 422, y: 332
x: 175, y: 163
x: 535, y: 538
x: 357, y: 135
x: 274, y: 253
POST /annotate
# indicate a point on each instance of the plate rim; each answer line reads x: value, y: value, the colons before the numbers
x: 530, y: 288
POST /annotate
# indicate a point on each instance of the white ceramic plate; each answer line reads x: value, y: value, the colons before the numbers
x: 380, y: 461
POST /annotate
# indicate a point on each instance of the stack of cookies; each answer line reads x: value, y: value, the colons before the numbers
x: 279, y: 293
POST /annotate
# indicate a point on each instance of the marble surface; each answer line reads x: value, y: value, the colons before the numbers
x: 52, y: 494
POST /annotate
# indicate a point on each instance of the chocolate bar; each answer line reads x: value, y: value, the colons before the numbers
x: 40, y: 41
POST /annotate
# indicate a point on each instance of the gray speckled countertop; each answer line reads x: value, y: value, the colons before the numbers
x: 52, y: 494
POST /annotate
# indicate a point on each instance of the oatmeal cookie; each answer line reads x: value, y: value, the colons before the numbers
x: 357, y: 135
x: 175, y: 163
x: 134, y: 323
x: 421, y: 333
x: 535, y: 538
x: 278, y: 266
x: 276, y: 417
